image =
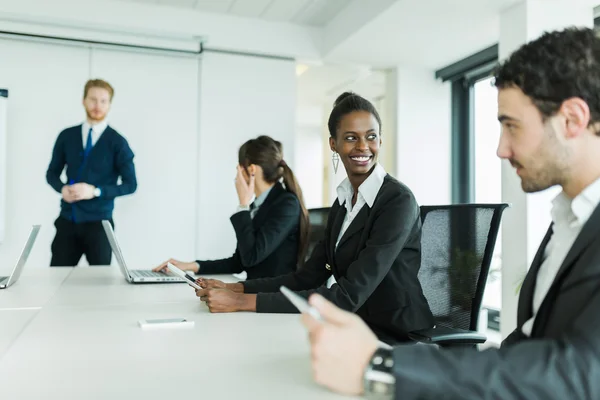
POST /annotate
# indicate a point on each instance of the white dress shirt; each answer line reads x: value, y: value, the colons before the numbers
x: 367, y: 192
x: 568, y: 216
x: 97, y: 130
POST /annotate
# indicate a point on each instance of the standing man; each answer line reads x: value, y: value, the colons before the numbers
x: 95, y: 156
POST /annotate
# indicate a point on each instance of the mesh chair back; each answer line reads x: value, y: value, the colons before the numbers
x: 457, y: 244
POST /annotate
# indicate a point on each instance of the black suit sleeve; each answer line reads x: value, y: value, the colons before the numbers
x: 514, y: 337
x: 542, y: 369
x: 57, y: 164
x: 311, y: 275
x: 126, y: 170
x: 229, y: 265
x: 389, y: 233
x: 256, y: 244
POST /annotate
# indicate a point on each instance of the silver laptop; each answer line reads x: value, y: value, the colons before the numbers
x: 135, y: 275
x: 6, y: 281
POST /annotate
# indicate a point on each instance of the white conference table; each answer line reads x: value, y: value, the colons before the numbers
x: 12, y: 324
x: 85, y: 343
x: 104, y: 286
x: 34, y: 289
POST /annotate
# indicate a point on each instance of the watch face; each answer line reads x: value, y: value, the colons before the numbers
x: 379, y: 380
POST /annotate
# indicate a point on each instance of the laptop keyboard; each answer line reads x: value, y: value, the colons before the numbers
x: 149, y: 274
x: 3, y: 279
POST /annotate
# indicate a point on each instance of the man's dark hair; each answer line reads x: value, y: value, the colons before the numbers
x: 555, y: 67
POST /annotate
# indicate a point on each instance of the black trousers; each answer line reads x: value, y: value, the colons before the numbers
x: 74, y: 240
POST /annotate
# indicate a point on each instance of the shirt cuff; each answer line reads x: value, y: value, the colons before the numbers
x: 242, y: 208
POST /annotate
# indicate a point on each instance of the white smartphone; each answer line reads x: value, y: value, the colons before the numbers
x: 301, y: 303
x: 184, y: 275
x: 166, y: 323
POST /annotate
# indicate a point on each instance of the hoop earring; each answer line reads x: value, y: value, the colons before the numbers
x: 335, y: 159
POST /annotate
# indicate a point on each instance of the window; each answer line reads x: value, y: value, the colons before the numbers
x: 476, y: 171
x: 487, y: 171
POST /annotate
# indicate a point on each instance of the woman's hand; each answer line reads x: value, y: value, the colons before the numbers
x: 245, y: 189
x: 217, y: 284
x: 224, y: 301
x: 185, y: 266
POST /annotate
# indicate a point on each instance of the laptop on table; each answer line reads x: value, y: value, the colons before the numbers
x: 136, y: 275
x: 6, y: 281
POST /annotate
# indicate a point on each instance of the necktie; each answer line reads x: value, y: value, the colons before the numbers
x: 88, y: 145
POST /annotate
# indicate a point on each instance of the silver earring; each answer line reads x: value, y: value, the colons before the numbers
x: 335, y: 159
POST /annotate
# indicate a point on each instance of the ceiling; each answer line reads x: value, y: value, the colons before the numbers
x: 303, y: 12
x: 323, y: 83
x: 426, y: 33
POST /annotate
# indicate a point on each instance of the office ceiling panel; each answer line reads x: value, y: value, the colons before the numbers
x: 303, y: 12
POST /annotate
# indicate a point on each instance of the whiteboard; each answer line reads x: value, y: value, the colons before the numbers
x: 3, y: 127
x: 155, y: 109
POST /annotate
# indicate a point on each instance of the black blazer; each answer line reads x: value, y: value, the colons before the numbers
x: 266, y: 245
x: 375, y: 266
x: 561, y: 359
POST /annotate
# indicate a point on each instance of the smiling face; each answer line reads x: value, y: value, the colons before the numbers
x: 357, y: 141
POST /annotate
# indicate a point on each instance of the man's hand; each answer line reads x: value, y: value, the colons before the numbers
x: 341, y: 347
x: 225, y: 301
x: 82, y: 191
x: 68, y: 195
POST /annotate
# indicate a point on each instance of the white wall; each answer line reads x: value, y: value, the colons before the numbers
x: 184, y: 123
x: 241, y: 98
x: 423, y: 135
x: 309, y: 153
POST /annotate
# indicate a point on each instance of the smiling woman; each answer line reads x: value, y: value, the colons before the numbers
x: 357, y: 140
x: 371, y: 245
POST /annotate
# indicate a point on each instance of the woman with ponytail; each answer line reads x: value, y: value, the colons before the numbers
x: 271, y: 222
x: 371, y: 246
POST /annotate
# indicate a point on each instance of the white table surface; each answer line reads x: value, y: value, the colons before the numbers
x: 12, y: 323
x: 104, y: 286
x: 35, y: 288
x: 86, y: 344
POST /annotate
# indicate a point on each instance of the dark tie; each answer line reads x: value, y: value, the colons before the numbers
x: 88, y: 145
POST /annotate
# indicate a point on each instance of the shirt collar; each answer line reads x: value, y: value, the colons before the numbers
x: 368, y: 189
x: 97, y: 128
x: 580, y: 208
x: 263, y: 196
x: 586, y: 202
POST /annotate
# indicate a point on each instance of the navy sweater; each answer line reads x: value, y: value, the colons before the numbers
x: 109, y: 159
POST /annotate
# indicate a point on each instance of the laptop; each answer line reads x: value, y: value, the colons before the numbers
x: 6, y: 281
x: 136, y: 275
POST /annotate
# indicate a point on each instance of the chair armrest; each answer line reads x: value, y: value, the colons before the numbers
x: 444, y: 336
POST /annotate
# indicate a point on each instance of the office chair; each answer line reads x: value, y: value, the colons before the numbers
x: 318, y: 222
x: 457, y: 244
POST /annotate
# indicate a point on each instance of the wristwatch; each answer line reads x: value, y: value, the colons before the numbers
x: 379, y: 381
x: 97, y: 192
